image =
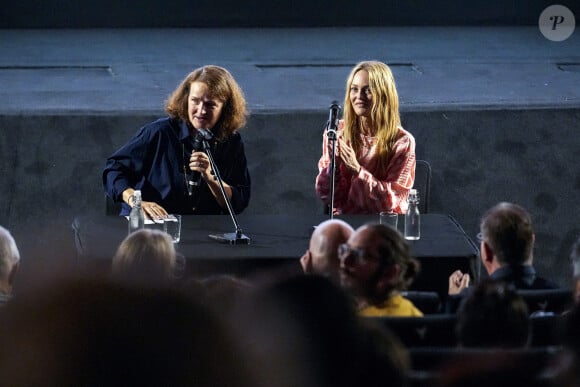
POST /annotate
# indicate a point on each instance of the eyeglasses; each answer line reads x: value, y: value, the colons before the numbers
x: 344, y: 251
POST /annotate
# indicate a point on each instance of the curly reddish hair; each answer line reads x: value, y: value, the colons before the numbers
x: 221, y: 85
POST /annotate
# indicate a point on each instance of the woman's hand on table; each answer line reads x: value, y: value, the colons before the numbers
x: 153, y: 210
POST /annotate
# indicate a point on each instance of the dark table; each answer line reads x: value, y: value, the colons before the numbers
x: 278, y: 240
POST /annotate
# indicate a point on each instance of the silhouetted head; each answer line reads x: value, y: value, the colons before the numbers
x: 146, y: 255
x: 493, y: 315
x: 375, y: 262
x: 507, y: 229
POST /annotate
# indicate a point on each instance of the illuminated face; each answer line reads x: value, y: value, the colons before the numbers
x: 203, y: 110
x: 361, y: 96
x: 360, y: 262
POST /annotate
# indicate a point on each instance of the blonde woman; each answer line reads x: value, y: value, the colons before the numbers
x: 375, y: 156
x: 146, y: 255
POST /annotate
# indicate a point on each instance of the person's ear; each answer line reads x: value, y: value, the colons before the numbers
x: 487, y: 256
x: 486, y: 252
x: 12, y: 274
x: 306, y: 262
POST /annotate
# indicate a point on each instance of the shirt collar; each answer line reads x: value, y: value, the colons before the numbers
x: 183, y: 130
x: 525, y: 273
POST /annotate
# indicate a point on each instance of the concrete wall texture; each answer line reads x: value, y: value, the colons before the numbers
x: 51, y: 169
x: 494, y: 106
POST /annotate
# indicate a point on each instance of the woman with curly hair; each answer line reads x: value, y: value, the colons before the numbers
x: 165, y: 159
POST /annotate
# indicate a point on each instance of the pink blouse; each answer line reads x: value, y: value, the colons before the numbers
x: 365, y: 192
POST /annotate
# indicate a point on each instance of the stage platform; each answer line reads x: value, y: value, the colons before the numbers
x: 495, y: 110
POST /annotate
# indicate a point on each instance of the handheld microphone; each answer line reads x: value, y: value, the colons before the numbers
x: 195, y: 177
x: 333, y: 120
x: 204, y: 134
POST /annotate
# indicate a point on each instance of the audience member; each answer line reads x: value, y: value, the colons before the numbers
x: 575, y: 259
x: 565, y: 370
x: 9, y: 261
x: 146, y: 255
x: 375, y: 265
x: 493, y: 368
x: 98, y: 332
x: 572, y: 330
x: 224, y: 291
x: 493, y: 331
x: 322, y: 254
x: 570, y: 360
x: 386, y: 360
x: 304, y: 331
x: 493, y: 315
x: 507, y: 243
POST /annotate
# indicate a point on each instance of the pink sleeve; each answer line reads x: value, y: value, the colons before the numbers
x: 390, y: 192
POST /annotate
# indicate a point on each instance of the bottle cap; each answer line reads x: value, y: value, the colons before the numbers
x: 413, y: 191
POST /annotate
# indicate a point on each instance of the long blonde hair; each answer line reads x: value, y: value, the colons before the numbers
x: 385, y: 116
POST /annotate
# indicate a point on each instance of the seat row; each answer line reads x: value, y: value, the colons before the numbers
x: 526, y: 366
x: 438, y: 330
x: 544, y: 300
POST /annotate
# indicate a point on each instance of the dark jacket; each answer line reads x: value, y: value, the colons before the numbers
x: 156, y: 161
x: 522, y: 277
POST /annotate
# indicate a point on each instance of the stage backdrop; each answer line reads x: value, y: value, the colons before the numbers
x: 51, y: 170
x: 267, y: 13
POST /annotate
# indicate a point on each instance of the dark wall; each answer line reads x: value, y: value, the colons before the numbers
x: 267, y: 13
x: 51, y: 170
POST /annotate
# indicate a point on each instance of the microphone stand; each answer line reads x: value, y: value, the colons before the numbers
x: 331, y: 134
x: 237, y: 237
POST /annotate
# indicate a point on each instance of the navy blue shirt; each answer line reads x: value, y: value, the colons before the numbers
x: 156, y: 161
x: 522, y: 277
x: 519, y: 276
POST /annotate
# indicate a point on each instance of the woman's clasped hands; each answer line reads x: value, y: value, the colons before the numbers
x: 346, y: 154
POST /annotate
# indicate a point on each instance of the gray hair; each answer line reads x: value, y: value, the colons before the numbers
x: 575, y: 257
x: 9, y: 254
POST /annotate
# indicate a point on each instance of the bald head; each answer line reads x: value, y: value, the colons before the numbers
x: 9, y: 259
x: 575, y: 257
x: 324, y: 244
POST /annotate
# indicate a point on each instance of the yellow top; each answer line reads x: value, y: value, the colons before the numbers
x: 395, y: 306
